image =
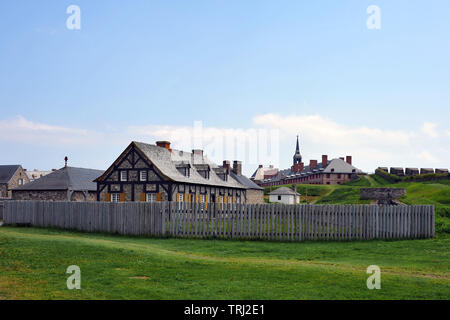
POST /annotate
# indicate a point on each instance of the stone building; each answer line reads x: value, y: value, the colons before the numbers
x: 65, y: 184
x: 334, y: 171
x: 11, y: 176
x: 146, y: 172
x: 254, y: 193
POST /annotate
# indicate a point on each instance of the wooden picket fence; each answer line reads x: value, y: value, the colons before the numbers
x: 265, y: 221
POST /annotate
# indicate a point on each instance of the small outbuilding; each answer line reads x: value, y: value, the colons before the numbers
x: 65, y: 184
x: 284, y: 195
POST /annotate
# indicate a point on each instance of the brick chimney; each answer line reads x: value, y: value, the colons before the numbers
x: 312, y: 164
x: 349, y: 159
x: 164, y: 144
x: 237, y: 167
x: 324, y: 160
x: 226, y: 164
x: 198, y: 152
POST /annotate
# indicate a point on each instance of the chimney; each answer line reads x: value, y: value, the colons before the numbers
x: 237, y: 167
x: 226, y: 164
x: 342, y: 158
x: 324, y: 160
x: 164, y: 144
x: 53, y: 170
x: 312, y: 164
x: 271, y: 166
x: 65, y: 160
x: 349, y: 159
x: 260, y: 166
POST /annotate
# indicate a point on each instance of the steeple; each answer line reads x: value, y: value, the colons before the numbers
x: 297, y: 155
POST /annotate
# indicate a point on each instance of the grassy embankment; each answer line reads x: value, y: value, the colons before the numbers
x: 428, y: 192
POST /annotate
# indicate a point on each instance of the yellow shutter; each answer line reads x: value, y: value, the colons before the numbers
x: 185, y: 197
x: 108, y: 197
x: 142, y: 197
x: 206, y: 201
x: 158, y: 197
x: 122, y: 197
x: 178, y: 197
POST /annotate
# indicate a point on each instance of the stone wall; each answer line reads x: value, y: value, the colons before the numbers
x: 382, y: 193
x: 255, y: 196
x: 40, y: 195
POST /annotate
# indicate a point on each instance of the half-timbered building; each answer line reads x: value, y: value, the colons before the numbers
x: 146, y: 172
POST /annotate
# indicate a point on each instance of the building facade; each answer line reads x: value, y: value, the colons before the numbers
x: 65, y: 184
x: 334, y: 171
x: 146, y: 172
x: 11, y: 176
x: 285, y: 196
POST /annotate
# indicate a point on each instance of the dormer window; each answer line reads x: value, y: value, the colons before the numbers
x: 203, y: 170
x: 184, y: 169
x: 332, y: 170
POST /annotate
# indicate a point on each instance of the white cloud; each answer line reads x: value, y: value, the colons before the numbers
x: 428, y: 157
x: 271, y: 140
x: 429, y: 129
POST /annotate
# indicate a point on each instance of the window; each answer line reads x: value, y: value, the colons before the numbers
x: 20, y: 182
x: 279, y: 198
x: 143, y: 176
x: 123, y: 176
x: 150, y: 197
x: 115, y: 197
x: 339, y: 176
x: 202, y: 201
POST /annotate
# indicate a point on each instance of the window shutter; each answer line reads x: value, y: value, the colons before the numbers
x: 206, y: 201
x: 142, y: 197
x: 158, y: 197
x: 122, y: 197
x: 108, y: 197
x: 178, y: 197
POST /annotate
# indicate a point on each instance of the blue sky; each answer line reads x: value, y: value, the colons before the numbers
x: 158, y: 66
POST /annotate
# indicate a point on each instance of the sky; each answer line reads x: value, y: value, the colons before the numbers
x: 248, y: 75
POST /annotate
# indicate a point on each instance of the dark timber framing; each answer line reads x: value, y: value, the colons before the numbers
x: 170, y: 187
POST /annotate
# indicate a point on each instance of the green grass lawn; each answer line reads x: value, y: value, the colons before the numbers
x: 33, y: 264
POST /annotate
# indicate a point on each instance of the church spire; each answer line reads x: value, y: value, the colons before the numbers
x: 297, y: 155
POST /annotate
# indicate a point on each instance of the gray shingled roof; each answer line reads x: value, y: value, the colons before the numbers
x: 166, y: 161
x: 284, y: 191
x: 67, y: 178
x: 7, y: 172
x: 245, y: 181
x: 339, y: 166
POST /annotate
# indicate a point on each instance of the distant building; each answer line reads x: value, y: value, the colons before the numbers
x: 11, y: 176
x: 146, y: 172
x: 254, y: 194
x: 65, y: 184
x: 411, y: 171
x: 334, y: 171
x: 426, y: 170
x: 284, y: 195
x: 36, y: 174
x: 397, y: 171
